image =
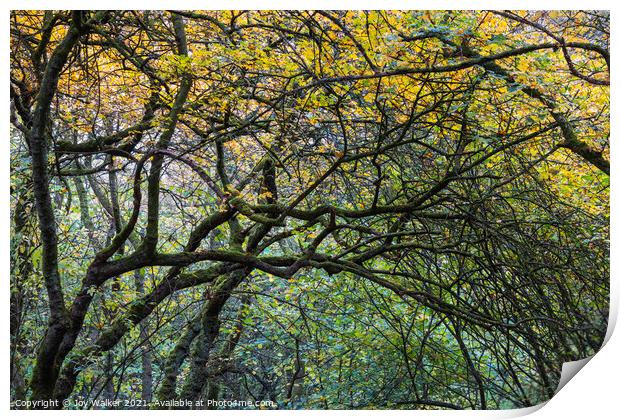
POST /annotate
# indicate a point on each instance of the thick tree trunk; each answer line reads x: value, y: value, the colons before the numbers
x: 210, y: 328
x: 147, y: 357
x: 46, y: 369
x: 167, y: 389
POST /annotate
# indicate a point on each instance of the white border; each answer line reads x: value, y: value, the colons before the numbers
x: 309, y: 4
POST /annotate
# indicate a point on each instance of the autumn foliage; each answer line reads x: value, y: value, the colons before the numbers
x: 323, y: 209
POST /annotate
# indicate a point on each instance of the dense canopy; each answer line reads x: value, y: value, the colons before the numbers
x: 318, y: 209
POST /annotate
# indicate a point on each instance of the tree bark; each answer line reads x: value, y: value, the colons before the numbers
x: 46, y: 369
